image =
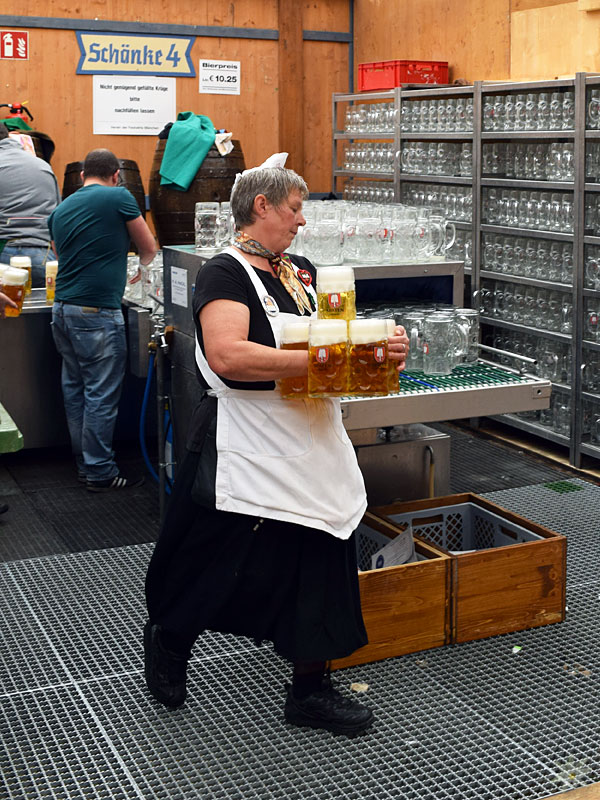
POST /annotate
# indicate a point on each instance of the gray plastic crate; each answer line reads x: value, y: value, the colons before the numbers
x: 368, y: 542
x: 464, y: 527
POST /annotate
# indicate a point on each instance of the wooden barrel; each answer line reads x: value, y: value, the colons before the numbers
x: 173, y: 210
x: 129, y: 177
x: 43, y: 144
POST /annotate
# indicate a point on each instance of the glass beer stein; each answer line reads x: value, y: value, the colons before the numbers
x: 294, y: 336
x: 444, y: 343
x: 206, y: 226
x: 14, y: 283
x: 336, y: 295
x: 51, y: 272
x: 328, y: 358
x: 393, y: 380
x: 368, y: 357
x: 23, y: 262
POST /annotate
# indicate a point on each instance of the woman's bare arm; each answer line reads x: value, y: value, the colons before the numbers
x: 225, y: 325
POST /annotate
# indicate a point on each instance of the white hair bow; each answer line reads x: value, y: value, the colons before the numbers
x: 276, y: 160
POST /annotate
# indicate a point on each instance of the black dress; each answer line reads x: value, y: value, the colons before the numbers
x: 270, y: 580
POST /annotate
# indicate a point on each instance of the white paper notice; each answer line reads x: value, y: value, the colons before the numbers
x: 219, y: 77
x: 138, y: 105
x: 179, y: 286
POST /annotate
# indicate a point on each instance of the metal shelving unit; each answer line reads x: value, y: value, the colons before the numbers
x: 583, y: 188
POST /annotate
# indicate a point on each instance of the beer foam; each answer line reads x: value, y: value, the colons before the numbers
x: 295, y: 332
x: 20, y: 261
x: 327, y: 331
x: 13, y: 276
x: 335, y: 279
x: 363, y: 331
x: 52, y: 264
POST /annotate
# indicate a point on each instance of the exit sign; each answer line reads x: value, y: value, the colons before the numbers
x: 14, y: 45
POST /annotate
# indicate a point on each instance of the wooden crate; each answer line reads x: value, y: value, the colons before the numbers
x: 515, y: 584
x: 405, y: 608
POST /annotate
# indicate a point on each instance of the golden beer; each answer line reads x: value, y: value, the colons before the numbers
x: 327, y: 358
x: 294, y: 336
x: 336, y: 295
x: 13, y: 285
x: 51, y: 271
x: 23, y: 262
x: 368, y: 358
x: 393, y: 379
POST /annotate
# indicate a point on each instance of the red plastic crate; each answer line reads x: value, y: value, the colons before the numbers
x: 376, y: 75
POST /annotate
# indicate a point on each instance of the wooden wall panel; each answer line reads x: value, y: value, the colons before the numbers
x: 473, y: 35
x: 62, y: 101
x: 241, y: 13
x: 554, y: 41
x: 325, y: 71
x: 333, y: 15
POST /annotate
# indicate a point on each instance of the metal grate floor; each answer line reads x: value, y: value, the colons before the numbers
x: 477, y: 721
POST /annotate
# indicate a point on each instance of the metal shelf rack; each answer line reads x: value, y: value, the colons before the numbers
x: 582, y: 188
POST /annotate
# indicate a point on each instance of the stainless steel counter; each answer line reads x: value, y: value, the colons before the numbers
x: 484, y: 391
x: 30, y: 374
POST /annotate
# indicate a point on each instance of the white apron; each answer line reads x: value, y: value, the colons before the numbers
x: 289, y: 460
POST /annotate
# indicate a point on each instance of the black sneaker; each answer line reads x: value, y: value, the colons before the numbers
x: 328, y: 709
x: 3, y: 508
x: 81, y: 477
x: 165, y: 671
x: 118, y: 482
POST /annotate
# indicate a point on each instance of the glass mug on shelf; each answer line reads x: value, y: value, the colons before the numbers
x: 14, y: 282
x: 294, y: 336
x: 413, y: 324
x: 446, y: 234
x: 327, y: 358
x: 469, y: 318
x: 368, y: 357
x: 336, y: 295
x: 392, y: 386
x: 444, y: 343
x: 323, y: 241
x: 206, y: 226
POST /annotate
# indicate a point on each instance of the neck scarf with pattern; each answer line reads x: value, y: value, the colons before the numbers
x: 282, y: 268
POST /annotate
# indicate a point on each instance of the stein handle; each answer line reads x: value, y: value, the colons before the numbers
x: 452, y: 227
x: 413, y: 346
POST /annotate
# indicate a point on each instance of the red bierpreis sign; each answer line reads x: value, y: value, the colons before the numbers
x: 14, y: 45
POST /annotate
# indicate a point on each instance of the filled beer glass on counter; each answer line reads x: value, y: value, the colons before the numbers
x: 14, y: 282
x: 23, y: 262
x: 51, y: 272
x: 368, y: 367
x: 336, y: 295
x: 294, y: 336
x: 328, y: 358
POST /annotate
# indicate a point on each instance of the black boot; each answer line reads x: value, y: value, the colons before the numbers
x: 165, y: 671
x: 329, y: 709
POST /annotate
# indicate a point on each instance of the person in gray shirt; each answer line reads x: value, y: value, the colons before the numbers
x: 29, y: 195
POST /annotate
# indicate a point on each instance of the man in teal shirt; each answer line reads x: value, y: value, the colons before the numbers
x: 91, y: 231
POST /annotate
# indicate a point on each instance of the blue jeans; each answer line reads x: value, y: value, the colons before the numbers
x: 93, y: 347
x: 38, y: 255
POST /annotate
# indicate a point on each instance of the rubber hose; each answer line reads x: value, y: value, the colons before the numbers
x: 142, y: 429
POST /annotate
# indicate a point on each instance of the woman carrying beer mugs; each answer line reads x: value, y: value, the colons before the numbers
x: 258, y: 536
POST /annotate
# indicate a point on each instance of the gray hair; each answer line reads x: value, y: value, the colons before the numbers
x: 276, y: 183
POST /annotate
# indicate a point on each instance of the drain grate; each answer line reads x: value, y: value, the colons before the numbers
x: 476, y: 721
